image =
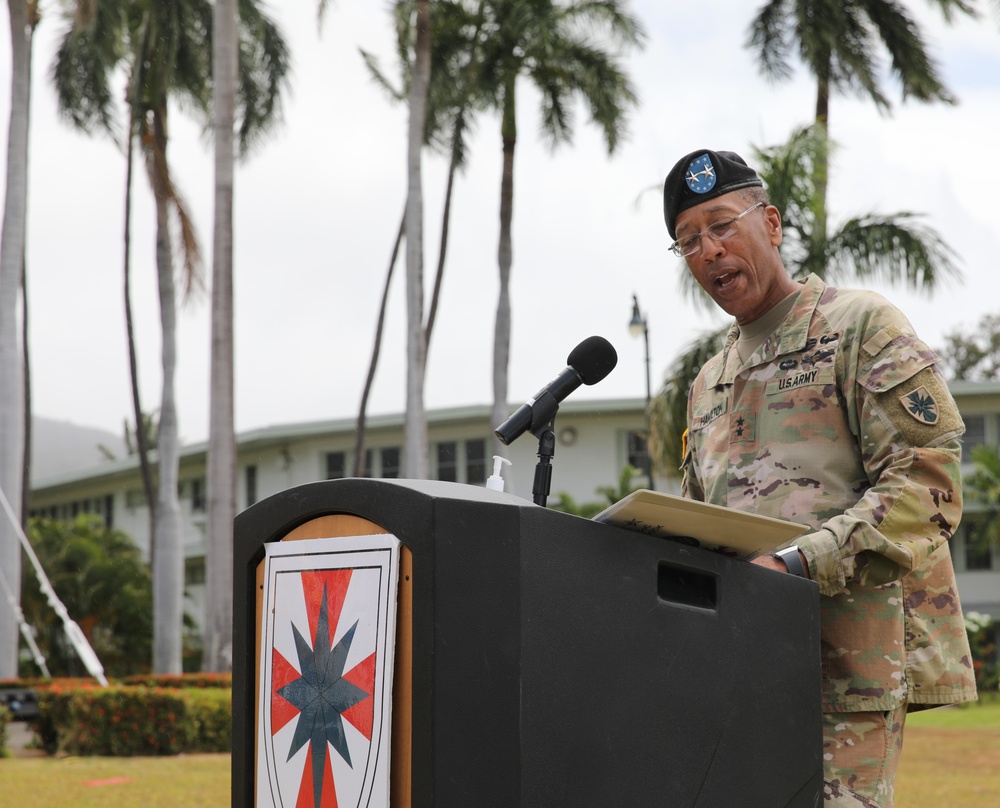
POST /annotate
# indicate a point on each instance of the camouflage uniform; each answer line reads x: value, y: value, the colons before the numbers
x: 842, y: 422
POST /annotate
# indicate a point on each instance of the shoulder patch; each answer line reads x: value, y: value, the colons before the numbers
x: 921, y: 405
x: 921, y: 409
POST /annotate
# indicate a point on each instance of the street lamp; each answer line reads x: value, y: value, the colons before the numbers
x: 638, y: 327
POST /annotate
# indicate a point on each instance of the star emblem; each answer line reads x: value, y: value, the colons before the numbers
x: 700, y: 176
x: 921, y: 405
x: 322, y: 695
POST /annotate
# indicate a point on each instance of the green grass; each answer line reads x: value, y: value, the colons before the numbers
x: 951, y: 759
x: 982, y: 715
x: 192, y: 781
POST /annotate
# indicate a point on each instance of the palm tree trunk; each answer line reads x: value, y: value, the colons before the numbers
x: 820, y: 170
x: 141, y: 435
x: 11, y: 267
x: 505, y: 258
x: 359, y: 430
x: 221, y: 482
x: 168, y: 563
x: 33, y: 19
x: 445, y: 222
x: 416, y: 454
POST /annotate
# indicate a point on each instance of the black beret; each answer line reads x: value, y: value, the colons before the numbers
x: 700, y: 176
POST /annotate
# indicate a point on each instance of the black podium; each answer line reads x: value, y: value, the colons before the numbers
x: 545, y: 660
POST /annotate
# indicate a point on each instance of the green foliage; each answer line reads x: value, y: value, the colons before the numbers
x: 99, y: 575
x: 196, y: 681
x: 4, y: 721
x: 974, y: 356
x: 841, y: 45
x: 126, y: 721
x: 612, y: 494
x: 982, y: 631
x: 983, y: 486
x: 668, y: 410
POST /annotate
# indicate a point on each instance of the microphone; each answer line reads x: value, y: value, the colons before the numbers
x: 588, y: 363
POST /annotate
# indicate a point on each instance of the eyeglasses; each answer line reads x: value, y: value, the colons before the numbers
x: 719, y: 231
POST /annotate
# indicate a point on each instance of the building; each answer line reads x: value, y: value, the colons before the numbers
x: 595, y: 439
x: 594, y: 442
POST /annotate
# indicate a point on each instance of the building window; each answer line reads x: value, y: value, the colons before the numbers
x: 250, y: 479
x: 109, y: 511
x: 198, y: 495
x: 637, y: 452
x: 447, y: 462
x: 978, y: 553
x: 336, y: 465
x: 475, y: 462
x: 389, y: 457
x: 975, y: 435
x: 194, y: 571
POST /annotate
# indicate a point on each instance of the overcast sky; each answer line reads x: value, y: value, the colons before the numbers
x: 319, y: 203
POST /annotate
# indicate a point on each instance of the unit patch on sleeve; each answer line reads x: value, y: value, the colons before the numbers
x: 921, y: 405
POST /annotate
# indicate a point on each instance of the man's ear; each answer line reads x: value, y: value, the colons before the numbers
x: 774, y: 225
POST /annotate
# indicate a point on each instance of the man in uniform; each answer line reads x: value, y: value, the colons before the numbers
x: 824, y: 408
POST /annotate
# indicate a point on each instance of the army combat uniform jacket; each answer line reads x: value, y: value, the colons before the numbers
x: 841, y: 421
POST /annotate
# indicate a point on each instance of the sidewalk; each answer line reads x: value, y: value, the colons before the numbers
x: 21, y: 740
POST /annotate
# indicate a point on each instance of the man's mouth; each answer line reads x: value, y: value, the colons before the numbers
x: 725, y: 280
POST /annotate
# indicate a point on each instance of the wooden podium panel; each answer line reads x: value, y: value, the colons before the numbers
x: 546, y: 660
x: 341, y: 525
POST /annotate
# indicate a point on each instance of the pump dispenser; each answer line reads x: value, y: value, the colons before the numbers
x: 495, y: 482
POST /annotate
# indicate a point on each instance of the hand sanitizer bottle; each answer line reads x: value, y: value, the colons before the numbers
x: 495, y: 482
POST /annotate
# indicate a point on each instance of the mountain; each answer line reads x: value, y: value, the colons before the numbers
x: 62, y: 447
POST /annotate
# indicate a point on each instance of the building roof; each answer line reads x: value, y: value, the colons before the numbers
x: 262, y: 437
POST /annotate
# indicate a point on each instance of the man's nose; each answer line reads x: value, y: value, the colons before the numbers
x: 711, y: 248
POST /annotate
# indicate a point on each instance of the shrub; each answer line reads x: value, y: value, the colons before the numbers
x: 982, y: 631
x: 134, y: 720
x: 4, y: 721
x: 185, y: 680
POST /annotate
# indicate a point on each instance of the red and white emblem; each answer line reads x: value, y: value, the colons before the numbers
x: 328, y: 627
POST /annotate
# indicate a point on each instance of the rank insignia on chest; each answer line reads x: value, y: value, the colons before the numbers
x: 740, y: 427
x: 921, y: 405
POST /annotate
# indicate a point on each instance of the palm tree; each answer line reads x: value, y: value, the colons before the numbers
x: 552, y: 44
x: 251, y: 70
x: 166, y: 47
x: 12, y: 398
x: 894, y: 249
x: 450, y: 105
x: 838, y: 42
x: 415, y: 455
x: 221, y: 456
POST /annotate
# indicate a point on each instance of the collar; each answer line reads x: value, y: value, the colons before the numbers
x: 789, y: 337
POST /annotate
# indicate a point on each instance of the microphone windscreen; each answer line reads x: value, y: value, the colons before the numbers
x: 593, y: 359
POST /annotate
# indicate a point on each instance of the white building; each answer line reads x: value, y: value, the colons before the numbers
x: 594, y: 441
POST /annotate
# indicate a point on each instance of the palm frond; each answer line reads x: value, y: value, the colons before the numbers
x: 895, y: 249
x: 668, y: 410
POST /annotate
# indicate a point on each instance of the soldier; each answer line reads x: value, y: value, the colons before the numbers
x: 824, y: 408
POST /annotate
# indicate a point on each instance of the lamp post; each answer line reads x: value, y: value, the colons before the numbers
x: 638, y: 327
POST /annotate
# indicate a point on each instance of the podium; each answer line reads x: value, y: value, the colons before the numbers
x: 547, y: 660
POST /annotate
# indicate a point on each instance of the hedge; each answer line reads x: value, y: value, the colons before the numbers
x: 4, y: 721
x: 128, y: 720
x: 184, y: 681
